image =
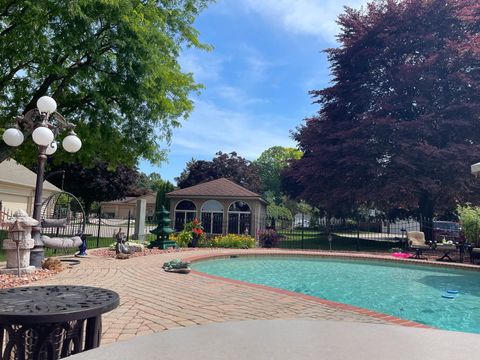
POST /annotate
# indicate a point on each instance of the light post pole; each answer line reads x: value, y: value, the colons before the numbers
x: 45, y: 125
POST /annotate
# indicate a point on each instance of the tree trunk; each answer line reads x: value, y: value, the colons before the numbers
x: 426, y: 205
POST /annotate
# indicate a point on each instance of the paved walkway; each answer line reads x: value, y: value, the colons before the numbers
x: 153, y: 300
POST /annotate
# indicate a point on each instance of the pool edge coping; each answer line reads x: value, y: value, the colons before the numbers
x: 337, y: 305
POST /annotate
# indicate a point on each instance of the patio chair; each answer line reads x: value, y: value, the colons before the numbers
x: 416, y: 241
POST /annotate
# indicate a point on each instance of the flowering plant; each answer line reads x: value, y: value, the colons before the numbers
x: 195, y: 228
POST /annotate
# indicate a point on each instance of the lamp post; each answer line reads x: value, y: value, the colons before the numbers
x: 45, y: 125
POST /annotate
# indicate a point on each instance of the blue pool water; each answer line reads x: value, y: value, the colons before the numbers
x: 417, y: 293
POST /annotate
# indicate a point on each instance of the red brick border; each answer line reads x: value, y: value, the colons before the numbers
x: 336, y: 305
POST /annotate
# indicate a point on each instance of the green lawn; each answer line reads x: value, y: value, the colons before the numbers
x: 91, y: 244
x: 319, y: 241
x: 313, y: 240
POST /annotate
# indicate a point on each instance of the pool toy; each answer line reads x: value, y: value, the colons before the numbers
x: 401, y: 255
x: 447, y: 296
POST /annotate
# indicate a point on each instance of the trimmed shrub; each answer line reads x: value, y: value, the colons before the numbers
x: 268, y: 238
x: 233, y: 241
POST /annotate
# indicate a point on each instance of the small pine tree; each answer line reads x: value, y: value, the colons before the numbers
x: 161, y: 199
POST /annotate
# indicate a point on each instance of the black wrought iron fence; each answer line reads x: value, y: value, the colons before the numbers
x: 367, y: 234
x: 103, y: 227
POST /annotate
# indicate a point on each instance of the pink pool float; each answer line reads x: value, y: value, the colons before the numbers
x: 401, y: 255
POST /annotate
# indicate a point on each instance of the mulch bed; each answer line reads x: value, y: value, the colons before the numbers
x: 9, y: 281
x: 111, y: 253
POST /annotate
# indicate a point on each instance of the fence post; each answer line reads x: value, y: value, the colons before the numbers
x: 140, y: 215
x: 128, y: 225
x: 422, y: 227
x: 328, y: 227
x: 358, y: 234
x: 303, y: 229
x: 99, y: 225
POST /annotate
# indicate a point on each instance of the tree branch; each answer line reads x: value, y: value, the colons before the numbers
x: 5, y: 12
x: 14, y: 25
x: 42, y: 90
x: 12, y: 73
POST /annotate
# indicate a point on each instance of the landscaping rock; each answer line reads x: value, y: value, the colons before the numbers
x: 52, y: 264
x: 134, y: 247
x: 122, y: 256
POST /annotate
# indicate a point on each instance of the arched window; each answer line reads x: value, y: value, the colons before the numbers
x: 185, y: 211
x: 212, y: 217
x: 239, y: 218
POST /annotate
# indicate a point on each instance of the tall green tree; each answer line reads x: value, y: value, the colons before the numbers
x: 399, y: 126
x: 161, y: 199
x: 152, y: 182
x: 270, y: 164
x: 111, y: 65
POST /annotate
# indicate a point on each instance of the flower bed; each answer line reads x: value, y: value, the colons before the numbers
x: 8, y: 281
x: 106, y: 252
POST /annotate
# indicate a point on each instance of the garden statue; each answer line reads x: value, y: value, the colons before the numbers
x: 121, y: 247
x: 177, y: 266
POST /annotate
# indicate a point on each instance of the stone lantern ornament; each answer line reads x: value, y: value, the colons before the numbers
x: 18, y: 244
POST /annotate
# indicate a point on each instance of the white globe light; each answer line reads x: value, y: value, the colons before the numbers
x: 13, y: 137
x: 51, y: 148
x: 42, y: 136
x: 72, y: 143
x: 46, y: 105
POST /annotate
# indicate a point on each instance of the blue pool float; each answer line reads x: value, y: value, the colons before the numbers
x: 447, y: 296
x: 452, y: 291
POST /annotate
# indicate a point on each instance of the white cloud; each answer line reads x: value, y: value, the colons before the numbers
x: 204, y: 66
x: 312, y: 17
x: 256, y: 66
x: 237, y: 97
x: 211, y: 129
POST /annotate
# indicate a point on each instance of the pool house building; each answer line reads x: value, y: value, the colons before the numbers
x: 222, y: 206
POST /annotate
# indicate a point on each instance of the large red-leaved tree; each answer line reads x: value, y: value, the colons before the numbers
x: 400, y: 125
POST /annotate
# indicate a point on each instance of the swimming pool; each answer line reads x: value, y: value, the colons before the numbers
x: 419, y: 293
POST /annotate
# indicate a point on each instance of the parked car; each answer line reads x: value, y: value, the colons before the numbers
x: 448, y: 231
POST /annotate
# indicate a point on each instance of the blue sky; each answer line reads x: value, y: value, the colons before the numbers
x: 267, y: 56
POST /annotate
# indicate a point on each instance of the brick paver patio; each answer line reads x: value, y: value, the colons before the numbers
x: 153, y: 300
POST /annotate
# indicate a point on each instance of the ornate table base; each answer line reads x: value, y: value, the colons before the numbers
x: 52, y: 322
x: 49, y: 341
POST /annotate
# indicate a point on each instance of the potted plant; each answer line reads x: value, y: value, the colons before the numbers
x: 196, y: 230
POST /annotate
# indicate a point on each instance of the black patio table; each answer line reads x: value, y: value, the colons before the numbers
x: 52, y: 322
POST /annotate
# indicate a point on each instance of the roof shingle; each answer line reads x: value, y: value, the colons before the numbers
x: 215, y: 188
x: 15, y: 173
